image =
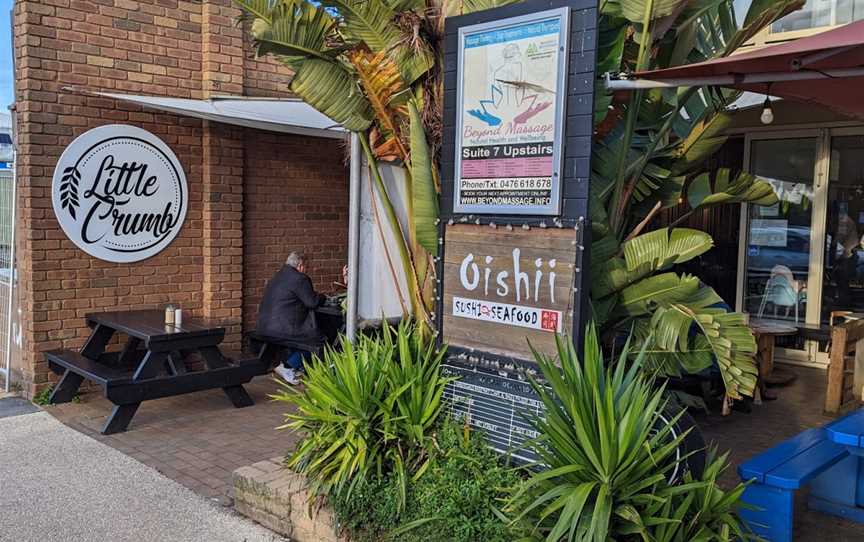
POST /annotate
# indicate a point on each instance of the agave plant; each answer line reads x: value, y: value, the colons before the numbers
x: 608, y: 453
x: 367, y: 408
x: 698, y: 509
x: 603, y: 443
x: 649, y: 150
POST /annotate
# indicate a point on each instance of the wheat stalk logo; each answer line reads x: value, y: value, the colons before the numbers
x: 69, y: 190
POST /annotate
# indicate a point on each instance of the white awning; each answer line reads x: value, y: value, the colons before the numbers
x: 290, y: 116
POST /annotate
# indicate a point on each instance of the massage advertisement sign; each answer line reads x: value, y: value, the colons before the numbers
x: 505, y: 289
x: 119, y: 193
x: 510, y: 111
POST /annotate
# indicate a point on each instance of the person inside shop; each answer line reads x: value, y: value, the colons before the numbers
x: 287, y: 312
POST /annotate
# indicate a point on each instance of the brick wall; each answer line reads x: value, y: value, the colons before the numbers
x: 296, y: 199
x: 185, y: 49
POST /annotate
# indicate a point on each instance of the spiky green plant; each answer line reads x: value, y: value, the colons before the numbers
x: 603, y: 444
x: 367, y: 408
x: 607, y: 451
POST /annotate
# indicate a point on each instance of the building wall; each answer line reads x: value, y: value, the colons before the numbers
x: 296, y: 198
x: 185, y: 49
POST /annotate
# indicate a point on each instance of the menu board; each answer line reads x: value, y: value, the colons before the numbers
x: 498, y: 403
x: 510, y: 114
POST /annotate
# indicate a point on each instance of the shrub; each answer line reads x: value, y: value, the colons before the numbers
x: 697, y: 509
x: 454, y: 500
x: 607, y: 452
x: 366, y: 409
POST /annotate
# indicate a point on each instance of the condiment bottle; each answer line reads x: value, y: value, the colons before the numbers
x: 169, y: 315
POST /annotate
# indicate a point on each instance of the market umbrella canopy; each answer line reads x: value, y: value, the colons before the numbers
x: 826, y: 68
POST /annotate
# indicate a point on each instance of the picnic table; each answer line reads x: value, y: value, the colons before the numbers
x: 840, y: 491
x: 153, y: 363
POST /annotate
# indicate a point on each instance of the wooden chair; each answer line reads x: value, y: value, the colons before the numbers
x: 845, y: 348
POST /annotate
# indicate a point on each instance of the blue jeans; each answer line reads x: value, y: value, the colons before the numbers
x: 296, y: 359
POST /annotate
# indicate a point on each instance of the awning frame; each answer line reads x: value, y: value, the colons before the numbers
x: 615, y: 83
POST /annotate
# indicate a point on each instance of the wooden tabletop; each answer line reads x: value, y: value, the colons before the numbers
x: 150, y: 326
x: 772, y: 327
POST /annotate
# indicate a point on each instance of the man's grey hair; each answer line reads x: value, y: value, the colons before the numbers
x: 295, y: 260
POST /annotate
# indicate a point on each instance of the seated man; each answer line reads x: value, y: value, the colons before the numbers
x: 287, y: 311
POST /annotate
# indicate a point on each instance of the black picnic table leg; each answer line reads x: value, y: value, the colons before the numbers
x: 120, y: 418
x: 237, y: 393
x: 96, y: 343
x: 66, y: 389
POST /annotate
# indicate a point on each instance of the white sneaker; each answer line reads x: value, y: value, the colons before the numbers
x: 288, y: 375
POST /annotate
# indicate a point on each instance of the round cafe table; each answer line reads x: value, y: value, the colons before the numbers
x: 765, y: 332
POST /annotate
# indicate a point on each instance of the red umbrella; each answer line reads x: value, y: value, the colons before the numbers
x: 826, y: 68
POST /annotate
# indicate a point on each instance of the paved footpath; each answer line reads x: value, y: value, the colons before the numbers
x: 58, y: 485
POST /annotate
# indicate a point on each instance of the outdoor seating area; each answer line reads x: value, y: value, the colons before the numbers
x: 477, y: 271
x: 151, y: 365
x: 198, y: 439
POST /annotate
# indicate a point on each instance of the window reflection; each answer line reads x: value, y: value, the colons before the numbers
x: 819, y: 13
x: 843, y: 282
x: 778, y: 244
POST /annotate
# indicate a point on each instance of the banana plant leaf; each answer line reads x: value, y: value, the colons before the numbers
x: 329, y: 88
x: 744, y: 188
x: 761, y: 14
x: 659, y: 250
x: 425, y: 197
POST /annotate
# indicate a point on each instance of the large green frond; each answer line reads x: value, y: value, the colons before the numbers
x: 425, y: 197
x: 743, y: 188
x: 329, y: 88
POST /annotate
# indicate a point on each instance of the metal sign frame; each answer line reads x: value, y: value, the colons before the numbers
x: 554, y: 206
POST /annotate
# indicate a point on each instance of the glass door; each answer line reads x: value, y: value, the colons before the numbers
x: 779, y: 237
x: 781, y: 243
x: 843, y: 271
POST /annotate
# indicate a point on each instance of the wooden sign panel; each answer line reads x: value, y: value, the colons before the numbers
x: 505, y: 288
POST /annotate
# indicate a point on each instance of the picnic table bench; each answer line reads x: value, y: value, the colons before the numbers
x: 151, y: 365
x: 828, y: 459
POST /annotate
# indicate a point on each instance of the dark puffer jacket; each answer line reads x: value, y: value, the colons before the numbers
x: 287, y: 309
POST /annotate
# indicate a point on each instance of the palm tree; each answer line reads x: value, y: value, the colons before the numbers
x: 375, y: 67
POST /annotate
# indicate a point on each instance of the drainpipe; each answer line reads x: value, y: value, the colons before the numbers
x: 353, y: 236
x: 6, y: 373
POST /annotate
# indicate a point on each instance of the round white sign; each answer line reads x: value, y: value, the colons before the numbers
x: 120, y: 193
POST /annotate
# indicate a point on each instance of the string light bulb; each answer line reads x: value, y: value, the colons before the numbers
x: 767, y: 116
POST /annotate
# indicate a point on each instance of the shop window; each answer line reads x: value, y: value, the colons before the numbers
x: 819, y: 14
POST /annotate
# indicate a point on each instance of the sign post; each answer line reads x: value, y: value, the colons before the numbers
x: 518, y: 122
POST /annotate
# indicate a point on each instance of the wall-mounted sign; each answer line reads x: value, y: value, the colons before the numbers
x: 503, y: 288
x: 120, y: 193
x: 510, y: 114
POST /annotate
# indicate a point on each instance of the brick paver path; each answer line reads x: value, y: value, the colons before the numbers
x: 199, y: 439
x: 196, y: 439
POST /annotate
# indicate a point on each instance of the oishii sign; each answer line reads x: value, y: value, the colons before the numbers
x: 510, y: 114
x: 505, y: 289
x: 120, y: 193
